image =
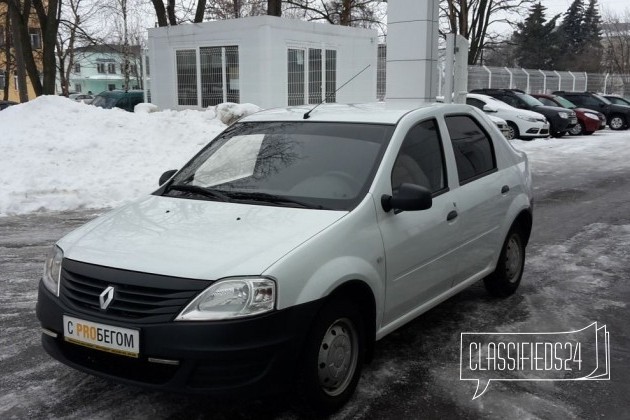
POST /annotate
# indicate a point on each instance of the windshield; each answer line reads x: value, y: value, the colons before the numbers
x: 529, y: 100
x: 564, y: 102
x: 604, y: 100
x: 106, y: 102
x: 300, y: 164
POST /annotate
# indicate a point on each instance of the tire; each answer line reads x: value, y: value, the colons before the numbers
x: 577, y: 129
x: 557, y: 134
x: 513, y: 132
x: 617, y: 122
x: 333, y: 356
x: 588, y: 133
x: 507, y: 275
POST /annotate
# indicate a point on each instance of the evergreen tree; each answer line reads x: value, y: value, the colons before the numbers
x: 571, y: 35
x: 536, y: 40
x: 592, y: 50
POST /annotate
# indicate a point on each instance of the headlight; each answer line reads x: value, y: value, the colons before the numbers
x: 52, y: 270
x: 232, y: 298
x: 564, y: 115
x: 526, y: 118
x: 591, y: 116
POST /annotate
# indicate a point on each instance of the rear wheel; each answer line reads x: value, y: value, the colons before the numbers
x: 333, y: 357
x: 507, y: 276
x: 617, y: 122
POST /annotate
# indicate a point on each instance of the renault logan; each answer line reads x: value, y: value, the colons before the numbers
x: 277, y: 256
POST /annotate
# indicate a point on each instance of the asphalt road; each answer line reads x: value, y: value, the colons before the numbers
x: 576, y: 273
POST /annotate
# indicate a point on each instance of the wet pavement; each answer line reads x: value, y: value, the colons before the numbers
x: 577, y: 272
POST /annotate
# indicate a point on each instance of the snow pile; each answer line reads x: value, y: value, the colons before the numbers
x: 230, y: 112
x: 145, y: 108
x: 58, y: 154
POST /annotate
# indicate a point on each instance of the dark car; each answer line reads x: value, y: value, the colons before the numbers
x: 122, y: 99
x: 6, y: 104
x: 561, y: 120
x: 617, y: 100
x: 617, y: 116
x: 589, y: 120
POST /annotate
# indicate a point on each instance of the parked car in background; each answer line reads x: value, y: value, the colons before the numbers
x: 617, y: 116
x: 82, y: 97
x: 501, y: 124
x: 271, y: 262
x: 561, y: 120
x: 589, y: 120
x: 617, y: 100
x: 6, y: 104
x: 126, y: 100
x: 522, y: 124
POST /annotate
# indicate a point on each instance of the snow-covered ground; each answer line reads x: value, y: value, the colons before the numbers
x: 58, y: 154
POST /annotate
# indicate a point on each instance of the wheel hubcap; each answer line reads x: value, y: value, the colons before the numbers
x: 616, y: 123
x: 513, y: 260
x: 338, y: 355
x: 576, y: 130
x: 511, y: 133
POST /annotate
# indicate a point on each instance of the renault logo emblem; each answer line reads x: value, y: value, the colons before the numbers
x: 106, y: 297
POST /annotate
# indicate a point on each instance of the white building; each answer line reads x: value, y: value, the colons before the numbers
x: 264, y: 60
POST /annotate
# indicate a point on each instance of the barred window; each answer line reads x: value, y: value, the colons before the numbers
x: 331, y: 75
x: 296, y: 69
x: 218, y: 74
x: 186, y: 62
x: 314, y: 76
x: 314, y: 80
x: 100, y: 67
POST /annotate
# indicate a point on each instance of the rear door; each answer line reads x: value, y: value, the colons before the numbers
x: 482, y: 198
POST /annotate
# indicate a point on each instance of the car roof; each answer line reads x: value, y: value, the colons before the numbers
x: 378, y: 113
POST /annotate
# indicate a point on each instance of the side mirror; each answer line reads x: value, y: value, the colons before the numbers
x: 409, y: 197
x: 490, y: 108
x: 166, y: 176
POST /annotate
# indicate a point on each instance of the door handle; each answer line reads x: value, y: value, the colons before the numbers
x: 505, y: 189
x: 452, y: 215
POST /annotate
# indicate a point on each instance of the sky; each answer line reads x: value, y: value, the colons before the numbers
x: 560, y: 6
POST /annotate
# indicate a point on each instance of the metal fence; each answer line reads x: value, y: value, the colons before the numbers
x: 529, y: 80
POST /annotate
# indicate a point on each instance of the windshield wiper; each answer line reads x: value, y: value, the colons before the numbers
x: 271, y: 198
x: 195, y: 189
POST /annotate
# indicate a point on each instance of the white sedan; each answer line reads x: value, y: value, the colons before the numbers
x: 523, y: 124
x: 277, y: 257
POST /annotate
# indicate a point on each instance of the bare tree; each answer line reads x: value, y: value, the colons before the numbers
x: 616, y: 40
x: 167, y: 15
x: 472, y: 18
x: 76, y: 17
x: 362, y: 13
x: 6, y: 44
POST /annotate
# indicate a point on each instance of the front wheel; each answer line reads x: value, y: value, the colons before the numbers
x: 617, y: 122
x: 332, y: 358
x: 577, y: 129
x: 512, y: 132
x: 507, y: 276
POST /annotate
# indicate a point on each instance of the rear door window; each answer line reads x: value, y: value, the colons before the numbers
x: 474, y: 152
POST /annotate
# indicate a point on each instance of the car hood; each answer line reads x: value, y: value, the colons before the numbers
x: 194, y: 238
x: 548, y: 110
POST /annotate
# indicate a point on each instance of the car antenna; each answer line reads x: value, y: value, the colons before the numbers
x: 308, y: 113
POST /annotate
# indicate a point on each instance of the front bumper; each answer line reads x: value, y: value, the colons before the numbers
x: 254, y: 356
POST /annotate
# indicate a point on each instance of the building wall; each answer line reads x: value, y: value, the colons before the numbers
x: 10, y: 79
x: 263, y: 42
x: 91, y: 80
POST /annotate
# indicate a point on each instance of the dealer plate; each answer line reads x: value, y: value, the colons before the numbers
x: 123, y: 341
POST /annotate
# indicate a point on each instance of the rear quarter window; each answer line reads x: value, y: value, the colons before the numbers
x: 473, y: 148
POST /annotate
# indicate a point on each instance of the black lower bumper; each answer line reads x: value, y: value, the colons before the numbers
x: 254, y: 356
